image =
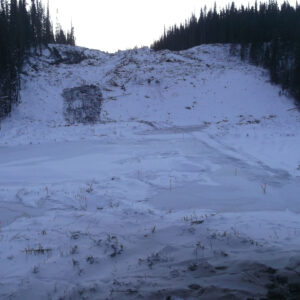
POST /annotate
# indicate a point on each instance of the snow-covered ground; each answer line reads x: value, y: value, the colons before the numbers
x: 188, y: 187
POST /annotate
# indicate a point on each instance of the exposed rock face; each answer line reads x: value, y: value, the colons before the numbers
x: 67, y: 57
x: 82, y: 104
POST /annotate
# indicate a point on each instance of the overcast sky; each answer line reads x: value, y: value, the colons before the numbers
x: 110, y: 25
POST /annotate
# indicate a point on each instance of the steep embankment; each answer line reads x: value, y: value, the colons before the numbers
x: 186, y: 185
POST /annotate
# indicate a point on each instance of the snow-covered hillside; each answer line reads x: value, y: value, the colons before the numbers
x: 189, y: 185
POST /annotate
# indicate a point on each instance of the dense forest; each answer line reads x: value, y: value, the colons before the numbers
x: 266, y: 34
x: 24, y: 28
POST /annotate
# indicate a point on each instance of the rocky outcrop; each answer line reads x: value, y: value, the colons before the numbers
x: 82, y: 104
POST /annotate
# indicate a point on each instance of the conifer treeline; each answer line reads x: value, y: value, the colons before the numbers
x: 269, y: 36
x: 23, y: 26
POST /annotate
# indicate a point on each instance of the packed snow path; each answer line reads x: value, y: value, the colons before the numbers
x: 188, y: 186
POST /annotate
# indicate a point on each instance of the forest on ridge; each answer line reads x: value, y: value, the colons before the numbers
x: 266, y: 34
x: 23, y: 28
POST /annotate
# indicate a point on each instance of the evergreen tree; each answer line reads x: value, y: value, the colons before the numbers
x: 20, y: 30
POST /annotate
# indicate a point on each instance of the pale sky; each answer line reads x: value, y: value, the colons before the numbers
x: 111, y: 25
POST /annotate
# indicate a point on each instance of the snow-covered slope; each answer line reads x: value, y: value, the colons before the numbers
x: 188, y: 186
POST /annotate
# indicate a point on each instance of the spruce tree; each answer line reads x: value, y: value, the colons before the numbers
x: 22, y: 29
